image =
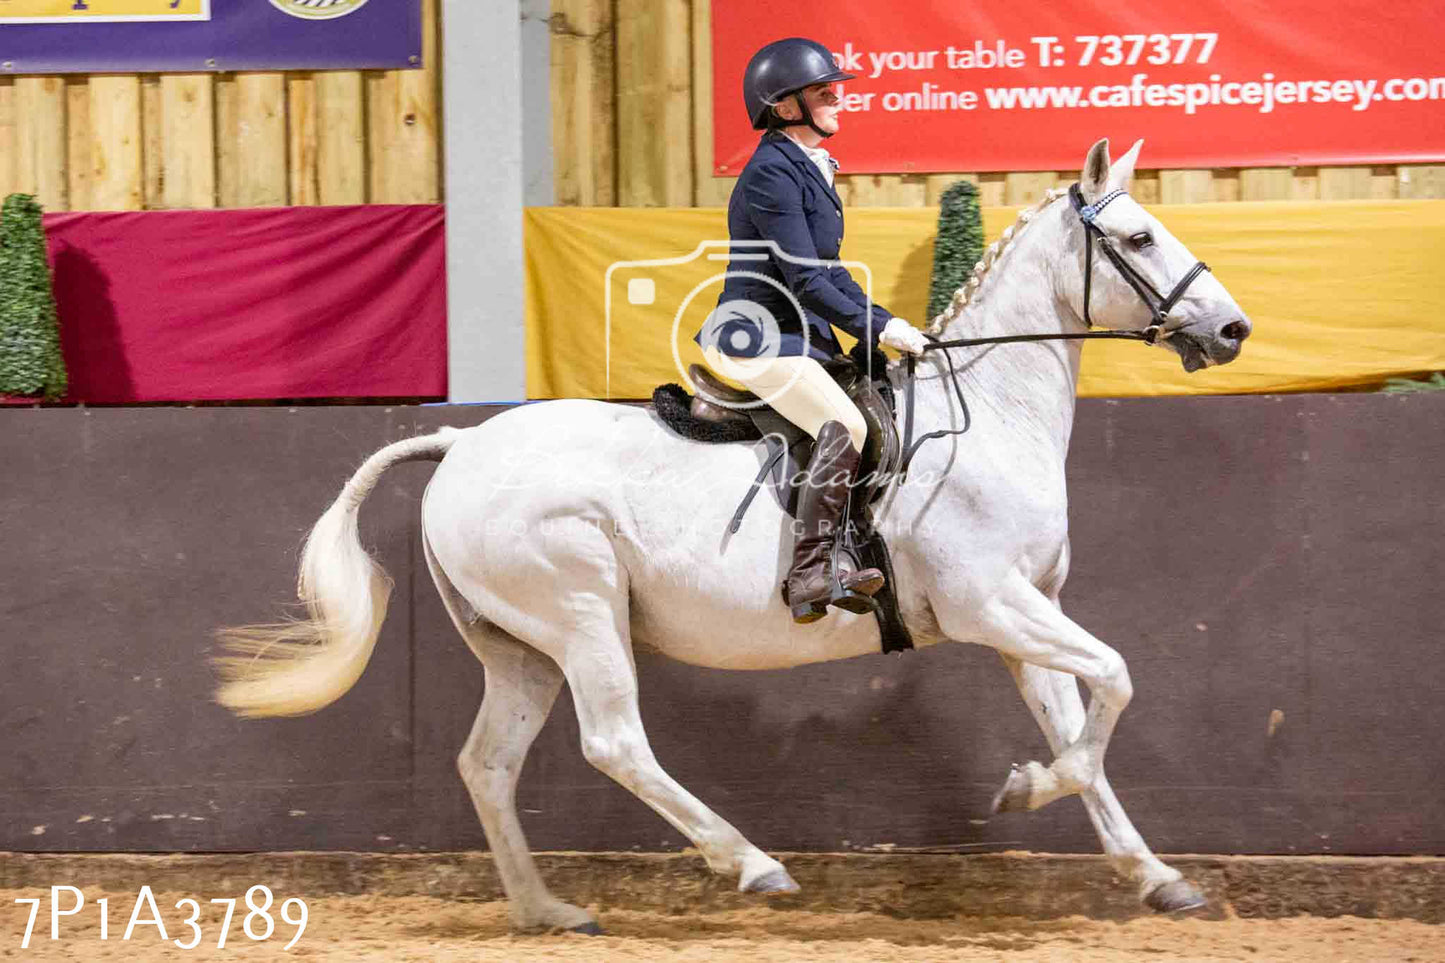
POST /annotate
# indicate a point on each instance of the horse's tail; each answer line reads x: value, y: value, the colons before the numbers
x: 295, y: 667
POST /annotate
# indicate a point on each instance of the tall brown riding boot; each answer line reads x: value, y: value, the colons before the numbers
x: 821, y: 503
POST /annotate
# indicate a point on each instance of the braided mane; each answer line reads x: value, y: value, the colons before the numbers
x: 995, y: 251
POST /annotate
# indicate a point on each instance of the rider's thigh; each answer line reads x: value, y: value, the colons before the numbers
x: 798, y: 388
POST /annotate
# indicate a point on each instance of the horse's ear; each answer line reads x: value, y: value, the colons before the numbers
x: 1096, y: 171
x: 1122, y: 170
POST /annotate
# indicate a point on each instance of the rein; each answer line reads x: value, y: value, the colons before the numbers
x: 1158, y: 305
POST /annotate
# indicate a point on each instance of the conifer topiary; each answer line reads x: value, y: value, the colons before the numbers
x: 959, y: 245
x: 30, y: 358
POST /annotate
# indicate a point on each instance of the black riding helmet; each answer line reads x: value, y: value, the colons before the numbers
x: 785, y: 67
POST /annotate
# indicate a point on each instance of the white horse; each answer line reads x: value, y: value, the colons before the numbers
x: 560, y: 535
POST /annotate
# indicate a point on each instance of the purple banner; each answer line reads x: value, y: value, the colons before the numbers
x: 142, y: 36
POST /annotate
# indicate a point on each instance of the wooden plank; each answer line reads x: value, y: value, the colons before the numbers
x: 887, y: 190
x: 654, y: 145
x: 991, y: 188
x: 340, y: 138
x: 260, y: 140
x: 402, y: 126
x: 707, y: 190
x: 116, y: 144
x: 1146, y: 186
x: 1384, y: 183
x: 1226, y: 185
x: 1305, y: 184
x: 1186, y: 186
x: 188, y: 141
x: 1416, y: 180
x: 1264, y: 184
x: 1344, y: 183
x: 41, y: 150
x: 863, y: 190
x: 8, y: 183
x: 1026, y: 187
x: 79, y: 169
x: 303, y: 174
x: 152, y: 128
x: 229, y: 162
x: 912, y: 191
x: 584, y: 106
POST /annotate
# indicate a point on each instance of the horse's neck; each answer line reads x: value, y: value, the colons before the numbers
x: 1027, y: 389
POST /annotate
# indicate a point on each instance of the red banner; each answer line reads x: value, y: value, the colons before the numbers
x: 997, y: 85
x: 293, y: 302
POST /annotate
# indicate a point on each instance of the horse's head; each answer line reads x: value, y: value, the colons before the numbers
x: 1136, y: 267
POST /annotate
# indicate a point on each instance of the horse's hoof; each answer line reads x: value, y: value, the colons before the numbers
x: 1013, y: 796
x: 1180, y: 896
x: 589, y: 928
x: 775, y: 882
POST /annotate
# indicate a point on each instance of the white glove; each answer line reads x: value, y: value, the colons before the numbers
x: 902, y: 336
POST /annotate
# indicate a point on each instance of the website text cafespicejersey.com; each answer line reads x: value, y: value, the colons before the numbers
x: 1263, y: 94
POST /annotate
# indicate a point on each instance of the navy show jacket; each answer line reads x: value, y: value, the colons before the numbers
x: 782, y: 196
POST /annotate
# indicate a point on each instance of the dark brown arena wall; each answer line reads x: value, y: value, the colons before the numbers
x: 1250, y: 557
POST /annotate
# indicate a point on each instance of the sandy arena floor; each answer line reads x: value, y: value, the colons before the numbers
x: 419, y: 928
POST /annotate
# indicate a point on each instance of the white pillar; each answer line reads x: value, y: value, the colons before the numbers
x: 482, y: 107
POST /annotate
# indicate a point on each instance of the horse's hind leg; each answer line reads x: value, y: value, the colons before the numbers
x: 603, y: 679
x: 1054, y: 699
x: 521, y: 686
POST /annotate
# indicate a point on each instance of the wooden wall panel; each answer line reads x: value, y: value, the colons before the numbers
x: 1416, y: 180
x: 188, y: 141
x: 1345, y: 183
x: 654, y: 103
x: 404, y: 120
x: 8, y: 183
x: 41, y: 150
x: 152, y: 128
x: 340, y: 137
x: 131, y: 141
x: 79, y: 166
x: 708, y: 191
x: 584, y: 103
x: 116, y: 143
x: 1264, y: 184
x: 251, y: 148
x: 1186, y: 186
x: 301, y: 172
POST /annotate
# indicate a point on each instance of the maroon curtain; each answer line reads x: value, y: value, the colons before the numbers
x: 298, y: 302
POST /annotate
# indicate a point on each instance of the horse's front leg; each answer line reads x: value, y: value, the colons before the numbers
x: 1024, y: 624
x: 1053, y: 698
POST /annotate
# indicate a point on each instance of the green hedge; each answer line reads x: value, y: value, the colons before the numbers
x: 30, y: 358
x: 959, y: 245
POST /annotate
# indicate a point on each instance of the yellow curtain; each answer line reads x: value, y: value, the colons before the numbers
x: 1341, y: 293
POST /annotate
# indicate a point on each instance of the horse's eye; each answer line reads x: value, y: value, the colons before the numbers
x: 1141, y: 240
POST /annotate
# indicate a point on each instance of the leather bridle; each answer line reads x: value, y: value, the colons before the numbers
x: 1159, y: 307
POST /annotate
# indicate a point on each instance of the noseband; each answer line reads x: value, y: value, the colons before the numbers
x: 1158, y: 305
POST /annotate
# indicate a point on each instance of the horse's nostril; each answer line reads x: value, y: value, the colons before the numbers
x: 1235, y: 331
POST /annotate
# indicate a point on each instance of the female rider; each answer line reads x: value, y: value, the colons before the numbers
x: 785, y: 196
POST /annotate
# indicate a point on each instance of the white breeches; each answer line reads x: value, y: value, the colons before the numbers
x: 797, y: 387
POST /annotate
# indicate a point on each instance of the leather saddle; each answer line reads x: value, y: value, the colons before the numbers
x: 734, y: 415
